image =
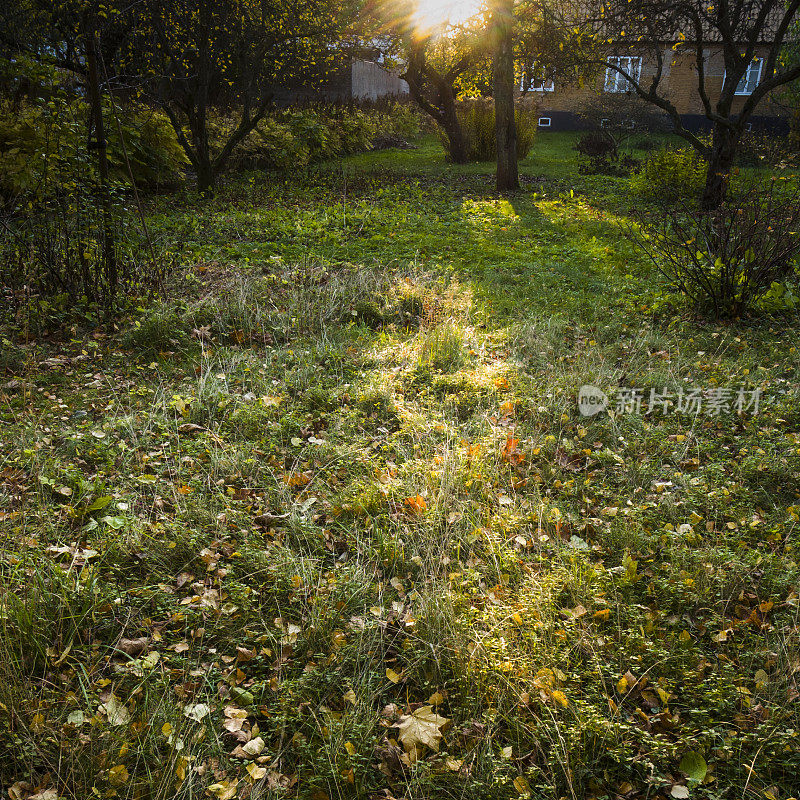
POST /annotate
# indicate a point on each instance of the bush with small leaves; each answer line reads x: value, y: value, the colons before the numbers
x: 725, y: 261
x: 670, y: 175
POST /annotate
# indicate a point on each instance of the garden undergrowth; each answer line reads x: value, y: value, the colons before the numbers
x: 327, y: 523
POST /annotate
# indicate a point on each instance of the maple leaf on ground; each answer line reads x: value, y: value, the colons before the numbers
x: 420, y: 729
x: 511, y: 453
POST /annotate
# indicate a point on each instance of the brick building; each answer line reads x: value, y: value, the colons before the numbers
x: 560, y: 103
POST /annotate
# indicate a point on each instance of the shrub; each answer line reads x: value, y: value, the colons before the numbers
x: 155, y: 157
x: 599, y: 153
x: 761, y: 148
x: 43, y: 147
x: 725, y: 261
x: 294, y: 138
x: 477, y: 124
x: 621, y: 116
x: 670, y: 175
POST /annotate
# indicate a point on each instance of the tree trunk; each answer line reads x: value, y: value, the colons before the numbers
x: 457, y: 143
x: 720, y: 163
x: 100, y: 145
x: 503, y: 77
x: 206, y: 179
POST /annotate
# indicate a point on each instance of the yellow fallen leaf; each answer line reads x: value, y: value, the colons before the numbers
x: 224, y: 790
x: 393, y: 676
x: 118, y: 775
x: 255, y: 772
x: 522, y: 786
x: 560, y: 698
x: 421, y: 729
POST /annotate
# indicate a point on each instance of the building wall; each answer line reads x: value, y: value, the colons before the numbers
x: 679, y: 80
x: 371, y: 81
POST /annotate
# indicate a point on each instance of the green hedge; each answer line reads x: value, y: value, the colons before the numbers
x: 671, y: 174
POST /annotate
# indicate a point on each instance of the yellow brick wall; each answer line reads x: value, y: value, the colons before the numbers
x: 679, y: 82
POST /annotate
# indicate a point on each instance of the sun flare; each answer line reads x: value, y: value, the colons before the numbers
x: 432, y: 14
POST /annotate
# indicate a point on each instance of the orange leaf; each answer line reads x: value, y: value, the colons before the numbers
x: 416, y: 505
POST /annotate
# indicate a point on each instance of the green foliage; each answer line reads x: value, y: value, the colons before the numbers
x: 476, y: 118
x: 161, y: 330
x: 294, y: 138
x: 671, y: 174
x: 43, y: 147
x: 148, y: 148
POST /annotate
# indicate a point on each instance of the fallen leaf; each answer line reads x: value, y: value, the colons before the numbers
x: 421, y: 728
x: 694, y: 766
x: 254, y: 747
x: 197, y: 712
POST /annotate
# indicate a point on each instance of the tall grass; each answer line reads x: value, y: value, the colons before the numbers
x: 477, y: 119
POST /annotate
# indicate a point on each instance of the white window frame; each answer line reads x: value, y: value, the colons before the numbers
x: 536, y: 84
x: 542, y: 124
x: 742, y: 91
x: 615, y: 81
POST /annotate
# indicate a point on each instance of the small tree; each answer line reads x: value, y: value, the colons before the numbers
x: 739, y: 31
x: 439, y: 60
x: 620, y: 116
x: 432, y: 71
x: 190, y: 56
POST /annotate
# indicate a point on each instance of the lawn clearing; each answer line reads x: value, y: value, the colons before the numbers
x: 327, y: 522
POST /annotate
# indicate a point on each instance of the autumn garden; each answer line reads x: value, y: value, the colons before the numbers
x: 398, y: 448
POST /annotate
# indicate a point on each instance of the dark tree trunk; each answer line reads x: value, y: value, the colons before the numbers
x: 503, y: 78
x: 100, y: 146
x: 457, y: 143
x: 206, y: 178
x: 720, y: 163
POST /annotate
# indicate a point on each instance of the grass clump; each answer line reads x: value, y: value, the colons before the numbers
x: 442, y: 348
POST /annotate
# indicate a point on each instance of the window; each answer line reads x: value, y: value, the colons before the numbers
x: 535, y: 80
x: 751, y: 77
x: 615, y: 81
x: 545, y: 122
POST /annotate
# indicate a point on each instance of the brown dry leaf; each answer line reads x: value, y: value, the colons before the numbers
x: 133, y: 647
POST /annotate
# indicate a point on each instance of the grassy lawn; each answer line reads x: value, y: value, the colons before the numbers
x: 327, y: 523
